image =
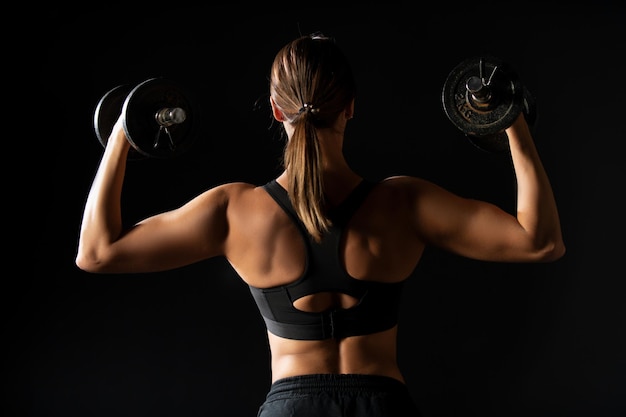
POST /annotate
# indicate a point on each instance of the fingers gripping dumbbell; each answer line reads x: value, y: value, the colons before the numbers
x: 483, y: 96
x: 158, y: 115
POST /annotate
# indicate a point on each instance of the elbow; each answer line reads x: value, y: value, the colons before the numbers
x: 84, y: 264
x: 553, y: 251
x: 89, y: 261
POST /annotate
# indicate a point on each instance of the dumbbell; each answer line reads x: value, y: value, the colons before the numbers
x: 159, y: 117
x: 482, y: 96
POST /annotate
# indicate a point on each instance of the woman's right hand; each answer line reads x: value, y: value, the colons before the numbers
x: 118, y: 136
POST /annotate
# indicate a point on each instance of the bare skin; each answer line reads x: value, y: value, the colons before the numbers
x: 383, y: 242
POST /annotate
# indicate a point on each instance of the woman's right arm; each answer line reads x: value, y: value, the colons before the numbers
x: 190, y: 233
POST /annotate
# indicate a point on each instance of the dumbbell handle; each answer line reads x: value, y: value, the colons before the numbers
x: 477, y: 86
x: 481, y: 93
x: 169, y: 116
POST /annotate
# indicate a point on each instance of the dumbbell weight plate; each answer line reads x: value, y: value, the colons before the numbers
x: 107, y: 112
x: 139, y: 105
x: 144, y: 132
x: 483, y: 121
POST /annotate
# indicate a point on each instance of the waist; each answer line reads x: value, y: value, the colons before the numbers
x: 338, y: 383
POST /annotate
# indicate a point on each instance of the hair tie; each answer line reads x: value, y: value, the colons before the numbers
x: 309, y: 108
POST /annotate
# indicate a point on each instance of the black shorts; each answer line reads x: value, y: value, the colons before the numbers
x: 332, y: 395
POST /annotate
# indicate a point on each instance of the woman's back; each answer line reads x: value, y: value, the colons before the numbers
x: 268, y: 250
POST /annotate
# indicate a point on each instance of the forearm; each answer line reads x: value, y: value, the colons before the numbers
x: 102, y: 217
x: 537, y: 211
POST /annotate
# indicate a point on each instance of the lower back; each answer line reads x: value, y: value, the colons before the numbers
x: 373, y: 354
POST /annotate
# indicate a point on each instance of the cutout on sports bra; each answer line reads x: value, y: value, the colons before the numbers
x: 324, y: 301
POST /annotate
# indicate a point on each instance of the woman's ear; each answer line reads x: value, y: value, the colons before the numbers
x: 350, y: 110
x: 278, y: 115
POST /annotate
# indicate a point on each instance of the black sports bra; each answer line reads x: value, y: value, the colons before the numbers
x: 378, y: 302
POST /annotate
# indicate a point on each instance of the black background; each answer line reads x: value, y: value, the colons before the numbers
x: 477, y: 339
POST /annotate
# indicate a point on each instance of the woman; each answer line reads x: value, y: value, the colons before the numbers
x: 324, y: 251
